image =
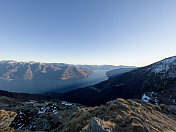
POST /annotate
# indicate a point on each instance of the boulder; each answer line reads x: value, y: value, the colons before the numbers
x: 97, y: 125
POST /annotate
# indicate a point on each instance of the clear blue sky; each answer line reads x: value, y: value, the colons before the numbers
x: 128, y: 32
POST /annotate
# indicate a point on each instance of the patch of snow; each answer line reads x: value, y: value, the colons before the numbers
x: 31, y: 102
x: 21, y: 126
x: 156, y: 101
x: 150, y: 96
x: 48, y: 108
x: 55, y: 112
x: 65, y: 103
x: 20, y: 112
x: 46, y: 103
x: 119, y: 85
x: 146, y: 98
x: 60, y: 117
x: 165, y: 66
x: 42, y: 110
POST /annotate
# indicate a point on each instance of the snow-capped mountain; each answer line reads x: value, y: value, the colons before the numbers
x: 167, y: 67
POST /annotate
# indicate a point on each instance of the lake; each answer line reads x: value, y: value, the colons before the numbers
x: 45, y: 86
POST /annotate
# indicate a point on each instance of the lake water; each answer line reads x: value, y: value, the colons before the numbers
x: 45, y: 86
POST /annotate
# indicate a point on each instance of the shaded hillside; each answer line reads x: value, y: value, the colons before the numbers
x: 26, y: 96
x: 117, y: 72
x: 156, y: 81
x: 12, y: 70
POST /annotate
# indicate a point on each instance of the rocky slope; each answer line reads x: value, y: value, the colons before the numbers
x: 12, y: 70
x: 59, y: 116
x: 35, y: 115
x: 124, y: 116
x: 155, y: 83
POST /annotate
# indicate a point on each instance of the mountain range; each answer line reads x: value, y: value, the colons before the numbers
x: 13, y: 70
x: 103, y: 67
x: 148, y: 106
x: 153, y: 83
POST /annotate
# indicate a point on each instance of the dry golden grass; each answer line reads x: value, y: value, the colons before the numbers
x: 109, y: 124
x: 6, y: 113
x: 6, y: 118
x: 77, y: 122
x: 136, y: 128
x: 125, y: 116
x: 3, y: 113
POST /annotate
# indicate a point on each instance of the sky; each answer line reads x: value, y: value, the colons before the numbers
x: 117, y: 32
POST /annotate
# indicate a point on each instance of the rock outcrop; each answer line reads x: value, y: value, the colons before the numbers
x: 97, y: 125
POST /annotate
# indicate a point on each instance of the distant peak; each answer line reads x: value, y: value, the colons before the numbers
x: 8, y: 61
x: 165, y: 66
x: 169, y: 60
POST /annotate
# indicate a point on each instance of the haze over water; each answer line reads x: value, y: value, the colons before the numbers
x: 44, y: 86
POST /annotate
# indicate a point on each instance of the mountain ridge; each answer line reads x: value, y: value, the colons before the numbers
x: 142, y: 83
x: 13, y: 70
x: 103, y: 67
x: 132, y: 84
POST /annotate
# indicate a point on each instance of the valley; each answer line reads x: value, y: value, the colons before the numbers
x: 148, y: 98
x: 87, y: 66
x: 40, y: 78
x: 44, y: 86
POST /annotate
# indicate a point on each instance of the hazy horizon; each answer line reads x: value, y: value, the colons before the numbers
x: 78, y: 63
x: 94, y: 32
x: 54, y: 62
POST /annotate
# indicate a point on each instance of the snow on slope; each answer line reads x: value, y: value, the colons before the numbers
x: 166, y: 66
